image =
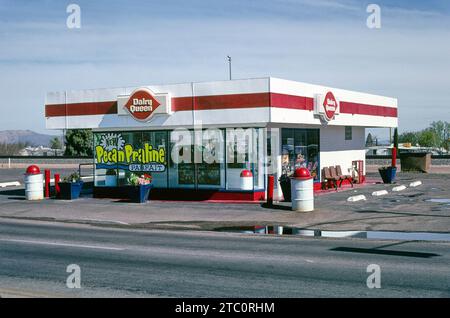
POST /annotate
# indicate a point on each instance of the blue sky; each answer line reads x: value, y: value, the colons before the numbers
x: 125, y: 43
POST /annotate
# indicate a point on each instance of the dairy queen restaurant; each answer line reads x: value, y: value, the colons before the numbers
x: 220, y: 140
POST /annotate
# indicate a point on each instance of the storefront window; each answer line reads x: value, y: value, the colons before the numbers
x: 182, y: 158
x: 133, y: 139
x: 300, y: 148
x: 119, y: 154
x: 105, y: 173
x: 244, y: 151
x: 158, y: 141
x: 258, y: 164
x: 211, y: 169
x: 182, y: 167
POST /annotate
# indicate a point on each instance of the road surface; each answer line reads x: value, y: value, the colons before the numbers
x: 120, y: 263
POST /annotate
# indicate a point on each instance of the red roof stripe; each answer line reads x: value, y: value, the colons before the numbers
x: 222, y: 102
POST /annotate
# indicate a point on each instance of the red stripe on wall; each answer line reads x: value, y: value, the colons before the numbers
x: 80, y: 109
x: 223, y: 102
x: 364, y: 109
x: 55, y: 110
x: 182, y: 103
x: 232, y: 101
x: 291, y: 101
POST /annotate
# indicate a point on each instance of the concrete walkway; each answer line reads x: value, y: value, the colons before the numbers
x: 407, y: 210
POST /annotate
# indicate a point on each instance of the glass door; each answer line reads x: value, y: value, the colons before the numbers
x: 181, y: 162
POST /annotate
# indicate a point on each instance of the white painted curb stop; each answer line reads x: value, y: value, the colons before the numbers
x: 399, y: 188
x: 379, y: 193
x: 10, y: 184
x: 356, y: 198
x: 415, y: 183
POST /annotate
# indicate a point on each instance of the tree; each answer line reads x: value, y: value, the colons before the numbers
x: 409, y: 137
x: 441, y: 129
x: 55, y: 143
x: 369, y: 140
x: 396, y: 138
x: 428, y: 138
x: 78, y: 142
x: 12, y: 149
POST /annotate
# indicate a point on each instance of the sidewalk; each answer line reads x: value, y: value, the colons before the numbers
x: 403, y: 211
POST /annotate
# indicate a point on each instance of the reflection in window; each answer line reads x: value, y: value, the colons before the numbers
x: 210, y: 171
x: 244, y: 151
x: 181, y: 167
x: 300, y: 148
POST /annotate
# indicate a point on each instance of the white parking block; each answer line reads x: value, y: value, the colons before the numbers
x: 399, y: 188
x: 379, y: 193
x: 10, y: 184
x: 357, y: 198
x: 415, y: 183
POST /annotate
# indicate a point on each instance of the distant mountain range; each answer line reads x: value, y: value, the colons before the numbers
x: 25, y: 136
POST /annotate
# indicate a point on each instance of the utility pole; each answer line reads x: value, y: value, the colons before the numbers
x: 229, y: 65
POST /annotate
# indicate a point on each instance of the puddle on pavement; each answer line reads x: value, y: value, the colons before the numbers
x: 447, y: 201
x: 379, y: 235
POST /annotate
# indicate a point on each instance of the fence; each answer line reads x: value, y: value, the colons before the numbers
x: 436, y: 160
x: 8, y: 161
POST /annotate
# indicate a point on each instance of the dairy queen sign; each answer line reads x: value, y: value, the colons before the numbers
x: 142, y: 104
x: 326, y: 106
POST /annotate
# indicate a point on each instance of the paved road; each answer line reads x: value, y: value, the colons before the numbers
x: 114, y: 262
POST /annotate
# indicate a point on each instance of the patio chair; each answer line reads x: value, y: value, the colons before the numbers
x: 343, y: 176
x: 334, y: 175
x: 327, y: 177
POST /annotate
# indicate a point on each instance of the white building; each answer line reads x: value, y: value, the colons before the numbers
x: 286, y: 124
x: 40, y: 151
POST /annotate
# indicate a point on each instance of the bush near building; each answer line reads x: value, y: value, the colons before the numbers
x: 78, y: 142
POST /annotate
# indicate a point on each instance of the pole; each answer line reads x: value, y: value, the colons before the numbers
x: 47, y: 183
x: 270, y: 185
x: 229, y: 65
x: 57, y: 184
x: 394, y: 157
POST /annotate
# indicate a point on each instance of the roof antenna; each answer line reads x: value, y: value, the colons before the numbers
x: 229, y: 65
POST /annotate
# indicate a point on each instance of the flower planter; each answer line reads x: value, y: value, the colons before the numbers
x: 70, y: 190
x: 139, y: 193
x: 387, y: 174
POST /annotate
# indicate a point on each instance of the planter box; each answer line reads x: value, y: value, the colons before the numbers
x: 140, y: 193
x: 415, y: 161
x: 388, y: 174
x: 69, y: 190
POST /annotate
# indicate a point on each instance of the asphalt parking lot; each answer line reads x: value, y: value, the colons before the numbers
x: 408, y: 210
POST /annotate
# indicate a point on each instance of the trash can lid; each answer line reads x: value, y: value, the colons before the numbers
x: 302, y: 174
x: 33, y: 169
x: 246, y: 173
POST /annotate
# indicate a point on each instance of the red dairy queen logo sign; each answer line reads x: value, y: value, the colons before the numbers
x: 330, y: 106
x: 141, y: 104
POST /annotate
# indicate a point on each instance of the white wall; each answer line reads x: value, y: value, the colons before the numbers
x: 335, y: 150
